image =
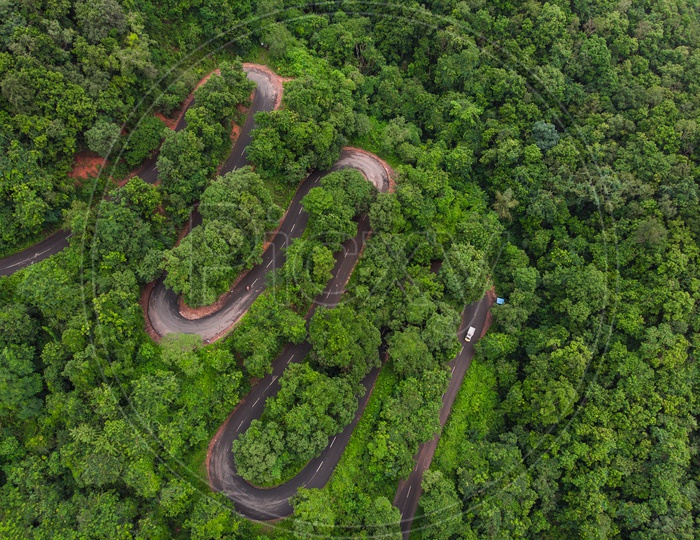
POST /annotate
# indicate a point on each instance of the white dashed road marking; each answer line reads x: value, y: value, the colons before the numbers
x: 29, y: 259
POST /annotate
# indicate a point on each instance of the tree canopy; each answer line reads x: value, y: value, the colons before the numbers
x: 547, y: 149
x: 237, y: 211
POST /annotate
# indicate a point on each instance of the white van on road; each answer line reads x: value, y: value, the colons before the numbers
x: 470, y: 334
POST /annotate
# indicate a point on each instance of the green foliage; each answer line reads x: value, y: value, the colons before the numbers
x: 409, y: 353
x: 143, y: 140
x: 296, y: 424
x: 401, y: 139
x: 383, y: 519
x: 464, y: 273
x: 188, y: 157
x: 182, y: 168
x: 309, y: 132
x: 265, y: 328
x: 237, y: 211
x: 102, y: 138
x: 224, y: 93
x: 19, y: 383
x: 331, y: 220
x: 500, y: 463
x: 240, y: 198
x: 344, y: 342
x: 385, y: 214
x: 440, y: 507
x: 545, y: 135
x: 125, y: 230
x: 342, y: 196
x: 358, y: 505
x: 71, y: 74
x: 180, y: 352
x: 408, y: 419
x: 286, y: 147
x: 211, y: 519
x: 314, y: 515
x: 306, y: 271
x: 30, y: 195
x: 474, y: 415
x: 351, y: 482
x: 16, y: 325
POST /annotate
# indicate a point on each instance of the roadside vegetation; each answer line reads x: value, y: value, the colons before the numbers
x: 317, y: 398
x: 237, y: 211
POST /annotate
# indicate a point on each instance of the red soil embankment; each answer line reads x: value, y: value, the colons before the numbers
x: 86, y: 165
x: 143, y: 302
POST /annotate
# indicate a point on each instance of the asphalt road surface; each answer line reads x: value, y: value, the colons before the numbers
x: 409, y: 490
x: 38, y: 252
x: 266, y: 504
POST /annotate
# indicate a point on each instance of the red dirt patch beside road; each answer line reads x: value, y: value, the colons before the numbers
x: 86, y: 165
x: 170, y: 123
x: 143, y: 302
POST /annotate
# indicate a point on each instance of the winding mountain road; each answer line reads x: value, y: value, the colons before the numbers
x: 164, y: 316
x: 163, y: 309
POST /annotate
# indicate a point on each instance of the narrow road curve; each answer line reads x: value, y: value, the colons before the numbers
x: 409, y: 490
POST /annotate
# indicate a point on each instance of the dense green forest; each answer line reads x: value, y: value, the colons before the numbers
x: 550, y: 149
